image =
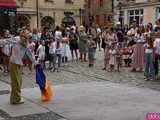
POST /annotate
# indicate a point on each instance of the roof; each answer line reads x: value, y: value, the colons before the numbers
x: 8, y: 4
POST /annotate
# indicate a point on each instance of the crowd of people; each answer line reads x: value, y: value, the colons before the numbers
x: 122, y: 47
x: 56, y: 46
x: 137, y: 47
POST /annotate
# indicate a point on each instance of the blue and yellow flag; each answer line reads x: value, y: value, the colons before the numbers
x: 46, y: 92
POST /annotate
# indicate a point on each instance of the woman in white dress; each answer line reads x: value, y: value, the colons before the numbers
x: 112, y: 60
x: 66, y: 53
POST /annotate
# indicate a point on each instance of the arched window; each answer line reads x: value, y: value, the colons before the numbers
x: 48, y: 22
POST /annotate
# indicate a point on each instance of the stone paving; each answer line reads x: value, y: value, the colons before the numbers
x: 84, y: 101
x: 98, y: 101
x: 79, y: 72
x: 74, y: 74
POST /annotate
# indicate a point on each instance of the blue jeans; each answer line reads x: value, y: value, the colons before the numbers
x: 149, y: 66
x: 53, y: 60
x: 59, y: 58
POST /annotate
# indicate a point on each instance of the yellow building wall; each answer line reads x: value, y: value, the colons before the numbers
x: 33, y: 22
x: 27, y: 3
x: 149, y: 14
x: 54, y: 9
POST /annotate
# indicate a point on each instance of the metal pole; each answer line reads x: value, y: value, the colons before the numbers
x: 15, y: 22
x: 112, y: 6
x: 80, y: 14
x: 37, y: 13
x: 120, y: 16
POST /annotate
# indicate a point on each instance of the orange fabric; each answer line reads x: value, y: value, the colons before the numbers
x: 47, y: 93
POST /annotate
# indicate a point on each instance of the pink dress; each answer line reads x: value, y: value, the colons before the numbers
x: 138, y: 55
x: 110, y: 38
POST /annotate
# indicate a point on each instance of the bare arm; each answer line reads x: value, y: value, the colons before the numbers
x: 8, y: 41
x: 29, y: 54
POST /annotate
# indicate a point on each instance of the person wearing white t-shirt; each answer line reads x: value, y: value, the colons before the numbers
x: 56, y: 49
x: 41, y: 53
x: 58, y: 32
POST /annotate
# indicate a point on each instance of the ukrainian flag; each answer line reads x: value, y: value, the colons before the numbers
x: 46, y: 92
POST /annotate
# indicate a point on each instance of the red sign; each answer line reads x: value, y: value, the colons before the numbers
x: 8, y: 3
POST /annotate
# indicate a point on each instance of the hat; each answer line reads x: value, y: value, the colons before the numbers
x: 81, y: 28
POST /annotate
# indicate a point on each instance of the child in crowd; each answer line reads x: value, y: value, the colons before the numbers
x: 56, y: 47
x: 130, y: 52
x: 41, y: 53
x: 65, y: 50
x: 112, y: 60
x: 91, y: 51
x: 31, y: 47
x: 149, y: 59
x: 127, y: 53
x: 118, y: 57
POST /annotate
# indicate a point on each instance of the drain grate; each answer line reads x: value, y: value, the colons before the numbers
x: 3, y: 92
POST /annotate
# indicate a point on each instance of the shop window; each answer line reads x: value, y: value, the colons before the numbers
x: 158, y: 13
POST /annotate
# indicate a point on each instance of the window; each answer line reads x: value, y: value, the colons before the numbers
x: 158, y: 13
x: 108, y: 18
x: 69, y: 1
x: 121, y: 17
x: 101, y: 3
x: 49, y: 0
x: 136, y: 15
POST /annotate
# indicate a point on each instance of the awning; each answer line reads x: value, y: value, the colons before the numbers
x: 8, y: 4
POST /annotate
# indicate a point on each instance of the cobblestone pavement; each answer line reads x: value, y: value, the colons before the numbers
x: 41, y: 116
x: 73, y: 72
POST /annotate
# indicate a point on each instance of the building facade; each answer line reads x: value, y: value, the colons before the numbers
x: 49, y: 13
x: 8, y: 15
x: 141, y: 11
x: 99, y: 11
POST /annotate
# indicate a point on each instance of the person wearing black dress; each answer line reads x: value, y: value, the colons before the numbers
x: 73, y: 43
x: 104, y: 33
